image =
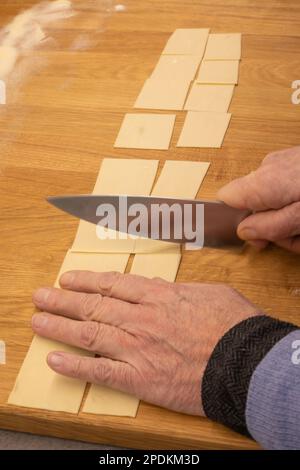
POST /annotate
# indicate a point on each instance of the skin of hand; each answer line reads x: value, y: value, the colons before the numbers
x: 273, y: 193
x: 154, y: 338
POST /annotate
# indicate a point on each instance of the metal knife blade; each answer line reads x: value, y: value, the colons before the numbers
x: 219, y: 224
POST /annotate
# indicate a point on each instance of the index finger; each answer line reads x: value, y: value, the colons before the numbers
x: 128, y: 287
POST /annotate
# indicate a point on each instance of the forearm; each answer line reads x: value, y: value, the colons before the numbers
x: 250, y: 382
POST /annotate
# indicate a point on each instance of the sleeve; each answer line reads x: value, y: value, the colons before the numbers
x: 231, y: 367
x: 273, y: 400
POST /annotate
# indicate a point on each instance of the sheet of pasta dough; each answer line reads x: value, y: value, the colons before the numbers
x: 178, y: 179
x: 220, y: 72
x: 223, y: 47
x: 179, y: 66
x: 117, y: 176
x: 205, y: 130
x: 215, y: 98
x: 191, y: 41
x: 38, y: 386
x: 146, y: 131
x: 158, y: 93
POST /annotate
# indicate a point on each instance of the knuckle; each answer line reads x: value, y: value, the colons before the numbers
x: 107, y: 284
x: 90, y: 304
x: 89, y: 334
x: 76, y: 368
x: 102, y: 373
x: 54, y: 299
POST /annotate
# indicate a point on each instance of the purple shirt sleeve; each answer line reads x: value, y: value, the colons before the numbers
x: 273, y: 400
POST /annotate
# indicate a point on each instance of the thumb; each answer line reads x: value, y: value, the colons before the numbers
x: 271, y: 225
x: 260, y: 190
x: 237, y: 192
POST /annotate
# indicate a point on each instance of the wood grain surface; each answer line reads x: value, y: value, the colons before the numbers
x: 65, y: 106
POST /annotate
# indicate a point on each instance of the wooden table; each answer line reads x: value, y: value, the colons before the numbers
x: 63, y: 114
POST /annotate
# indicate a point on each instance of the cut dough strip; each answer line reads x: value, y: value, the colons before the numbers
x: 38, y: 386
x: 178, y: 179
x: 117, y: 176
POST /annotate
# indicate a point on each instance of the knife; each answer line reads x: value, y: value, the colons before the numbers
x: 192, y: 222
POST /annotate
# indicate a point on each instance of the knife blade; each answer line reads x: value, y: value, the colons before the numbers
x: 137, y: 215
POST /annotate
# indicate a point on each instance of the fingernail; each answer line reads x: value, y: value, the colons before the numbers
x: 55, y: 360
x: 66, y: 279
x: 41, y: 295
x: 248, y: 234
x: 39, y: 320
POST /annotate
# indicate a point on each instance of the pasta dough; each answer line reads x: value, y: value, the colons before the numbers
x: 146, y: 131
x: 204, y: 129
x: 38, y: 386
x: 215, y: 98
x: 169, y: 94
x: 176, y: 66
x: 126, y: 176
x: 187, y: 42
x: 103, y: 400
x: 157, y: 265
x: 178, y: 179
x: 223, y: 47
x: 219, y: 72
x: 117, y: 176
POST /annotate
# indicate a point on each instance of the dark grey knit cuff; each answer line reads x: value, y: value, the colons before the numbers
x: 228, y: 372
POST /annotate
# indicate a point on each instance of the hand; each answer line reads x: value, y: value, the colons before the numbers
x: 154, y: 337
x: 273, y: 191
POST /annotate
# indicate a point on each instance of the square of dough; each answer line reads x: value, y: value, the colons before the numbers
x: 164, y: 265
x: 219, y: 72
x: 134, y: 176
x: 146, y: 131
x: 223, y: 47
x: 176, y: 66
x: 204, y: 129
x: 180, y: 179
x: 116, y: 176
x: 187, y: 42
x: 107, y: 401
x: 167, y: 94
x: 215, y: 98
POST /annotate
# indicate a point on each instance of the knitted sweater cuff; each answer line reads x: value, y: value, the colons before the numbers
x: 229, y: 370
